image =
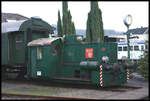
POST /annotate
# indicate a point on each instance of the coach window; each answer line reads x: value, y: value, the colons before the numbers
x: 119, y: 48
x: 136, y: 48
x: 146, y: 46
x: 39, y: 53
x: 142, y: 47
x: 125, y: 48
x: 131, y: 48
x: 19, y: 41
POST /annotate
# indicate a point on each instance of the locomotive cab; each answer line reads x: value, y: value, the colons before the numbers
x: 44, y: 57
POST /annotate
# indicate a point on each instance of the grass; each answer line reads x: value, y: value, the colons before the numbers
x: 30, y: 93
x: 36, y: 91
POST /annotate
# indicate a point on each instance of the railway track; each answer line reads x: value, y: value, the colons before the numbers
x: 111, y: 90
x: 121, y: 88
x: 39, y: 97
x: 73, y: 90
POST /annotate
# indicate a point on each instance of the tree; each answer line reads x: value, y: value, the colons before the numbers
x: 65, y: 17
x: 73, y: 28
x: 89, y: 36
x: 59, y: 26
x: 68, y: 25
x: 94, y: 30
x: 143, y: 65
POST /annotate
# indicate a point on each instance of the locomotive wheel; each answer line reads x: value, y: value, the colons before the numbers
x: 11, y: 75
x: 20, y: 76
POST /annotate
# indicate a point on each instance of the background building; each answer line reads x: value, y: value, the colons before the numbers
x: 137, y: 34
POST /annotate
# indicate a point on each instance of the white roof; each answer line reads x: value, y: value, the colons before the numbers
x: 11, y: 26
x: 42, y: 41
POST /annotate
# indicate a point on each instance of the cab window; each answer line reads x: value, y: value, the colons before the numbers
x: 39, y: 53
x: 55, y: 49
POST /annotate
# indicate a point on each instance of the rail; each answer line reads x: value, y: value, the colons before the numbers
x: 25, y: 96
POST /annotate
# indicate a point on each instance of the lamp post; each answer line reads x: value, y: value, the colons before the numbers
x: 127, y: 21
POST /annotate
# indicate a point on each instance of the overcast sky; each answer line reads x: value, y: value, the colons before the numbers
x: 112, y: 12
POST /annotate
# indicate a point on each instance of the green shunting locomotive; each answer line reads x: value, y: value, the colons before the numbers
x: 71, y: 60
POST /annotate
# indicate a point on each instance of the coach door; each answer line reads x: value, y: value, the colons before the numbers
x: 16, y: 48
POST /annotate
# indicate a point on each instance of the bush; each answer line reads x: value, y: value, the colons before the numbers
x: 143, y: 67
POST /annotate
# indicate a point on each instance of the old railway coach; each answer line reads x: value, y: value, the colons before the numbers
x: 71, y: 60
x: 15, y: 36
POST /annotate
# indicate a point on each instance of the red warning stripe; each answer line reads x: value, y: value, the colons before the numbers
x: 128, y: 75
x: 101, y: 78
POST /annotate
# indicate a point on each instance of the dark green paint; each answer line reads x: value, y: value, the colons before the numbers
x: 29, y: 30
x: 67, y: 68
